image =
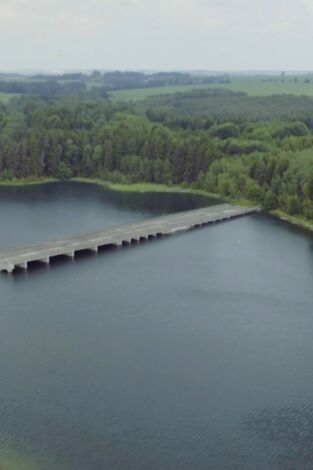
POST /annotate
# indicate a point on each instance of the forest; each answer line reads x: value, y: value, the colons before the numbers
x: 49, y: 89
x: 240, y: 147
x: 117, y: 80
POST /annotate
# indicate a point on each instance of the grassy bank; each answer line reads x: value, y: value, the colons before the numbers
x: 292, y: 219
x: 161, y: 188
x: 26, y: 182
x: 145, y: 187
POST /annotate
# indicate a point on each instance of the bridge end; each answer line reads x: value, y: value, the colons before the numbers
x: 8, y: 268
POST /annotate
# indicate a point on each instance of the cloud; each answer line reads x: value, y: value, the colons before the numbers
x: 280, y: 27
x: 72, y: 16
x: 189, y: 12
x: 57, y: 16
x: 155, y: 33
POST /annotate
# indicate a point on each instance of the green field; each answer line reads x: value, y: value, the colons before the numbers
x: 253, y: 86
x: 5, y: 97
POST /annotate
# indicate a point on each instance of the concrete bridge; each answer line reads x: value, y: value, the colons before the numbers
x: 120, y: 235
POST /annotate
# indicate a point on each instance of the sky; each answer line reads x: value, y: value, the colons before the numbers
x: 229, y: 35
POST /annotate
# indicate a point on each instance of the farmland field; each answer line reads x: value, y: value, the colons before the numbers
x: 253, y: 86
x: 257, y: 85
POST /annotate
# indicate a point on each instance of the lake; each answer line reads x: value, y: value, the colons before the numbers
x: 190, y: 352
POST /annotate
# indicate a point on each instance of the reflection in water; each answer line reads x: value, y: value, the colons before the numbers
x: 13, y: 459
x: 286, y: 433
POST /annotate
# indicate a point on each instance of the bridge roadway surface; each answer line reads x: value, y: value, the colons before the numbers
x: 120, y: 235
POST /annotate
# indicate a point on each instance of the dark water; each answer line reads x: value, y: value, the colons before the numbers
x: 191, y: 352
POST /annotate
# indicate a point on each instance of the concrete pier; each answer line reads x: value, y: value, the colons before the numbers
x: 120, y: 235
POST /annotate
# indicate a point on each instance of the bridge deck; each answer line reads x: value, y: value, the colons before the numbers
x: 119, y: 235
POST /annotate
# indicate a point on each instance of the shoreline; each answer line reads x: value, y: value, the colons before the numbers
x: 298, y: 221
x: 145, y: 187
x: 161, y: 188
x: 28, y: 181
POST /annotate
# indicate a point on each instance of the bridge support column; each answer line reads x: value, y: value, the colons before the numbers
x: 45, y: 260
x: 70, y: 254
x: 22, y: 265
x: 95, y: 249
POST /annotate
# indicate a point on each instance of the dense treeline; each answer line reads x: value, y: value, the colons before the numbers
x: 267, y: 161
x: 127, y: 80
x: 118, y: 80
x: 49, y: 89
x: 101, y: 140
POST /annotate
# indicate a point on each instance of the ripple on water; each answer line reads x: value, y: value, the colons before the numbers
x: 287, y: 434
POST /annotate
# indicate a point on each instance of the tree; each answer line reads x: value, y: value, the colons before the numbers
x: 63, y: 171
x: 270, y: 201
x: 225, y: 131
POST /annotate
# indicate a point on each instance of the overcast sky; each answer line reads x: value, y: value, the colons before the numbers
x: 156, y: 34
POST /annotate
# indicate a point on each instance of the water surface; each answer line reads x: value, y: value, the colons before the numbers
x: 194, y: 351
